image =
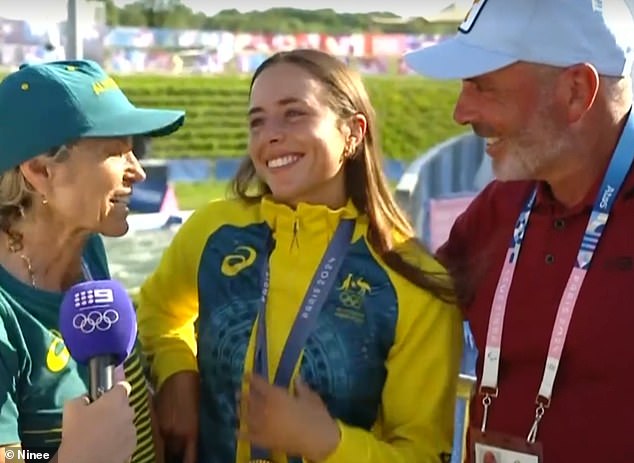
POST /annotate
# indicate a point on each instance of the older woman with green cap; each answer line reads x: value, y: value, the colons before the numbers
x: 66, y: 176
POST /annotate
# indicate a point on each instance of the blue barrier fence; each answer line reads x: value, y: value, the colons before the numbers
x: 194, y: 170
x: 155, y: 193
x: 434, y: 190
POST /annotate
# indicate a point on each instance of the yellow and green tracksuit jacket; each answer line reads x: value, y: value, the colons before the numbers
x: 384, y: 355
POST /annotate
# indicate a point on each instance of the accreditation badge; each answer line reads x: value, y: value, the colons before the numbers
x: 492, y: 447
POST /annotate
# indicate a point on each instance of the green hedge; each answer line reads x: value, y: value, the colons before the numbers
x: 413, y: 113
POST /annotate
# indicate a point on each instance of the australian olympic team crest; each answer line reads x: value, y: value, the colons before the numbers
x: 352, y: 293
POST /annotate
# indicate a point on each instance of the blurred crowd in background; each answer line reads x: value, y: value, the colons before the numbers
x: 177, y: 51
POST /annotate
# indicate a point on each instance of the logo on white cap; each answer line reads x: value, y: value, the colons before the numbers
x: 472, y: 16
x: 93, y: 298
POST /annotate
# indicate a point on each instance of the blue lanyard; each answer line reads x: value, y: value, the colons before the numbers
x: 314, y: 300
x: 610, y: 186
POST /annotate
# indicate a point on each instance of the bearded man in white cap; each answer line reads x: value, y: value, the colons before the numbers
x: 544, y: 256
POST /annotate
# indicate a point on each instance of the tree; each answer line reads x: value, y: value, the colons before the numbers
x: 112, y: 12
x: 173, y: 14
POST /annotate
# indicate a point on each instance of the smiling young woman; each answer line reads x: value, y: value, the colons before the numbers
x: 306, y: 295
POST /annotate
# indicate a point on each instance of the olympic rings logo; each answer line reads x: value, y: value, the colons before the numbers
x: 95, y: 320
x: 351, y: 299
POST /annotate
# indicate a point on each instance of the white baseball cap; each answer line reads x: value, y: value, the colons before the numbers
x: 497, y: 33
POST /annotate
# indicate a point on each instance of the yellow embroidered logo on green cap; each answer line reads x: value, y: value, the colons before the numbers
x: 104, y: 85
x: 71, y: 68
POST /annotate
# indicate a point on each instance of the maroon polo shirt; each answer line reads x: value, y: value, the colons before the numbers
x: 591, y: 417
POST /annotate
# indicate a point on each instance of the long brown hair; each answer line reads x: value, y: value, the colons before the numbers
x: 365, y: 182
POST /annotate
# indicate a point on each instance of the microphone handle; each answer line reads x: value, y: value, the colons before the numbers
x: 102, y: 374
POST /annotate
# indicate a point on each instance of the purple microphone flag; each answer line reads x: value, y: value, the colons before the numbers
x: 97, y: 318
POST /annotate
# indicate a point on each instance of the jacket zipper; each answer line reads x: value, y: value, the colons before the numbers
x: 295, y: 240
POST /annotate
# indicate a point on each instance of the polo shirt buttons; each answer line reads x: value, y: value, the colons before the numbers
x: 549, y: 259
x: 559, y: 224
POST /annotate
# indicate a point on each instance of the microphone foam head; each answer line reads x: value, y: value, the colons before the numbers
x: 97, y: 318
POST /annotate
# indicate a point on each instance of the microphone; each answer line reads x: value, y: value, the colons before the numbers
x: 99, y: 327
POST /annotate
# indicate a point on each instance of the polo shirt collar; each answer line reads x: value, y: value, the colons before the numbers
x: 546, y: 202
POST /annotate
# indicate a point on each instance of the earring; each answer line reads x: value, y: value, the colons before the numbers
x: 44, y: 200
x: 350, y: 149
x: 345, y: 153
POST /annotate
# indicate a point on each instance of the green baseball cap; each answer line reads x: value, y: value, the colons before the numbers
x: 46, y: 105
